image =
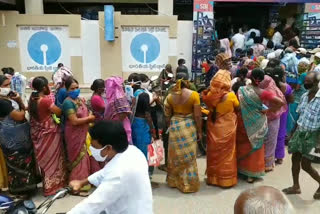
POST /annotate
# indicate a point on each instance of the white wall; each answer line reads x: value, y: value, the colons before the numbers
x: 184, y: 44
x: 90, y: 45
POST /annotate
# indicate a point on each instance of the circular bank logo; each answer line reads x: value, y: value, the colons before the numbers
x: 44, y: 48
x: 145, y: 48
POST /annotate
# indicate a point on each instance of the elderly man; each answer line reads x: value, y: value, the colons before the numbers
x: 262, y: 200
x: 307, y: 135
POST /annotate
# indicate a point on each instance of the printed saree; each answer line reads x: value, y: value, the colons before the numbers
x: 117, y: 103
x: 251, y: 131
x: 75, y: 138
x: 182, y: 155
x: 47, y: 141
x: 17, y: 149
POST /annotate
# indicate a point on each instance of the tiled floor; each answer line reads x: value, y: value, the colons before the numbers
x: 211, y: 200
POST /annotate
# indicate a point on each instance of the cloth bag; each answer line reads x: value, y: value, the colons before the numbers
x: 155, y: 153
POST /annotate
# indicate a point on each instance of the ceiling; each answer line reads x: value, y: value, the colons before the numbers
x: 8, y: 1
x: 104, y: 1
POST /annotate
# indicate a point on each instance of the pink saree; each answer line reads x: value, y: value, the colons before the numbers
x: 117, y: 103
x: 81, y: 165
x: 47, y: 142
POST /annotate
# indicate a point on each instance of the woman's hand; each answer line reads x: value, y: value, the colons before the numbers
x: 91, y: 118
x: 75, y: 185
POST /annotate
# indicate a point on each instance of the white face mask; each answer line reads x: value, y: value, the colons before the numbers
x: 96, y: 153
x: 5, y: 91
x: 145, y: 85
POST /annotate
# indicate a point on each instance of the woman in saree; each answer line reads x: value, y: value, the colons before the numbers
x: 98, y: 99
x: 279, y: 78
x: 118, y: 107
x: 253, y: 126
x: 15, y: 143
x: 76, y: 129
x: 271, y: 139
x: 182, y: 111
x: 221, y: 128
x: 47, y: 137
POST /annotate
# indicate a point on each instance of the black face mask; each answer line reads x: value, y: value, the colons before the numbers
x: 308, y: 86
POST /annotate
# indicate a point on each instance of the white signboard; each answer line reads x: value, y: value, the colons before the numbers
x: 144, y: 49
x: 43, y: 47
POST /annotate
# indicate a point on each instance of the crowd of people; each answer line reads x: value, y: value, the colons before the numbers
x: 270, y: 96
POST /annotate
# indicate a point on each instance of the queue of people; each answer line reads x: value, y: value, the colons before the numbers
x: 267, y: 98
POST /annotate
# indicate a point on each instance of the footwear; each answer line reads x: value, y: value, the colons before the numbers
x: 316, y: 196
x: 154, y: 185
x: 250, y: 180
x: 279, y: 161
x: 163, y: 168
x: 292, y: 191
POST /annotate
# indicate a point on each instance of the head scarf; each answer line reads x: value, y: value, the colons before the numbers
x: 269, y: 84
x: 264, y: 63
x: 220, y: 85
x: 221, y: 58
x: 225, y: 43
x: 259, y: 60
x: 177, y: 88
x: 116, y: 99
x: 250, y: 64
x: 60, y: 76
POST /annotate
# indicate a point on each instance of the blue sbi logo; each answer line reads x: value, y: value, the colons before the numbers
x: 44, y: 48
x: 145, y: 48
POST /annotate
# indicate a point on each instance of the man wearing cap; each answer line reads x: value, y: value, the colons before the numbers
x: 316, y: 62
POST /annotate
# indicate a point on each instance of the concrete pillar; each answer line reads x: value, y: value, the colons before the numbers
x: 165, y: 7
x: 34, y: 7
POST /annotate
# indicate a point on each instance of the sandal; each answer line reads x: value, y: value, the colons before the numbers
x: 291, y: 191
x: 163, y: 168
x: 250, y: 180
x: 316, y: 196
x: 154, y: 185
x: 279, y: 161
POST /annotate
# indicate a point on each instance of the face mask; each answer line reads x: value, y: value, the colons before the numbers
x: 4, y: 91
x: 145, y: 85
x: 308, y: 86
x: 96, y: 153
x: 74, y: 94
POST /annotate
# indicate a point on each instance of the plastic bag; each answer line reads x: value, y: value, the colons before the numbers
x: 155, y: 153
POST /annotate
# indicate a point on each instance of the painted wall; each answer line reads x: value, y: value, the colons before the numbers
x: 184, y: 42
x: 90, y: 55
x: 9, y: 39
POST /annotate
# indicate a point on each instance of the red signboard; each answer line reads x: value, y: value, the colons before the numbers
x: 203, y: 5
x: 312, y: 8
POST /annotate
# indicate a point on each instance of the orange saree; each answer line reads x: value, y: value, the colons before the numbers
x: 221, y: 151
x: 249, y: 164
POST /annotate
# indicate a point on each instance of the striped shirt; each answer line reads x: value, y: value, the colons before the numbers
x: 309, y: 119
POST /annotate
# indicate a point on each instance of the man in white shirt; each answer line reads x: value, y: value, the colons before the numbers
x: 238, y: 41
x: 123, y: 185
x: 256, y: 31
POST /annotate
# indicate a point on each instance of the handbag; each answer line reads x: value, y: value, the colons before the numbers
x: 155, y: 152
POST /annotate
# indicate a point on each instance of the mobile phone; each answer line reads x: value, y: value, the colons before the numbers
x: 264, y: 107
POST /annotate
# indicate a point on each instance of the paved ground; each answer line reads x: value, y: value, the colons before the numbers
x: 213, y: 199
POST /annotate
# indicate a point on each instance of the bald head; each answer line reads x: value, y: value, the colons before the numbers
x: 262, y: 200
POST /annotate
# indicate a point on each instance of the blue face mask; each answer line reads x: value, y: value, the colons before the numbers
x: 74, y: 94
